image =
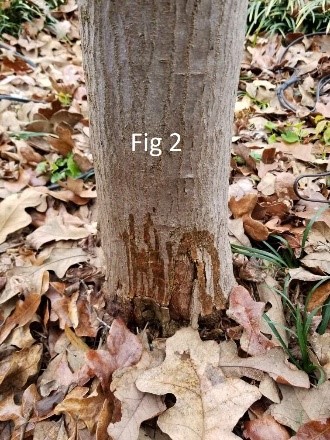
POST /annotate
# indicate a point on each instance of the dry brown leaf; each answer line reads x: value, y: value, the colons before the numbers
x: 9, y: 410
x: 23, y: 313
x: 63, y: 226
x: 319, y: 296
x: 242, y: 208
x: 268, y: 388
x: 284, y: 186
x: 72, y: 311
x: 321, y: 347
x: 300, y: 406
x: 274, y: 362
x: 50, y: 430
x: 33, y: 278
x: 136, y: 405
x: 208, y: 405
x: 299, y: 151
x: 12, y: 211
x: 319, y: 261
x: 57, y: 376
x: 85, y: 409
x: 314, y: 430
x: 265, y: 428
x: 302, y: 274
x: 268, y: 295
x: 17, y: 368
x: 247, y: 312
x: 123, y: 349
x: 267, y: 184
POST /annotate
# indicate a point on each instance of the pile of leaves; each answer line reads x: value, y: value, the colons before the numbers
x: 70, y: 371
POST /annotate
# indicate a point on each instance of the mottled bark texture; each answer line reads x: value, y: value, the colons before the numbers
x: 162, y: 67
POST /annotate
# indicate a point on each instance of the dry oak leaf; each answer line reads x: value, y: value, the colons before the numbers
x: 247, y: 312
x: 9, y: 410
x: 319, y: 296
x: 265, y: 428
x: 314, y: 430
x: 319, y: 261
x: 36, y: 278
x: 274, y: 362
x: 86, y: 409
x: 23, y: 313
x: 300, y: 406
x: 63, y: 226
x: 123, y: 349
x: 12, y: 211
x: 17, y: 368
x: 242, y: 208
x: 50, y: 430
x: 268, y: 295
x: 136, y: 405
x: 208, y: 405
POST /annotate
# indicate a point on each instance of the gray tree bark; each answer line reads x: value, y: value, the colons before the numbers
x: 159, y: 67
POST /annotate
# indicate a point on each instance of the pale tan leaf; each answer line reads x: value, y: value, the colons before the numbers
x: 9, y: 410
x: 274, y: 362
x: 302, y: 274
x: 136, y: 405
x: 36, y: 278
x: 63, y: 226
x: 300, y: 406
x: 207, y: 404
x: 268, y: 388
x: 319, y: 261
x: 268, y: 295
x: 50, y: 430
x: 267, y: 184
x: 12, y: 211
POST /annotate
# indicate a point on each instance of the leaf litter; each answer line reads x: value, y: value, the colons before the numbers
x: 67, y: 369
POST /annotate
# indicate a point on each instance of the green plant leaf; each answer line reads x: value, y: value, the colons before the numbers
x: 290, y: 137
x: 270, y: 126
x: 42, y: 167
x: 326, y: 135
x: 73, y: 169
x: 273, y: 138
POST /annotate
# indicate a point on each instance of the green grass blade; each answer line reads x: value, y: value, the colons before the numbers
x: 279, y: 338
x: 325, y: 318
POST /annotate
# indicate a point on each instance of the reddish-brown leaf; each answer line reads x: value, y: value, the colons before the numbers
x: 248, y: 313
x: 314, y: 430
x: 265, y: 428
x: 123, y: 349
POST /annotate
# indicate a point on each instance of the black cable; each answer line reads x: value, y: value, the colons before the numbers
x: 20, y: 99
x: 315, y: 176
x: 83, y: 176
x: 18, y: 55
x: 295, y: 78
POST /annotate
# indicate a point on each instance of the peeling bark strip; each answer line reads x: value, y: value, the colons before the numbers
x: 158, y: 67
x: 195, y: 266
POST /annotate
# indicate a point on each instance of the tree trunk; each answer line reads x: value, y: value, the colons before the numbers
x: 163, y: 69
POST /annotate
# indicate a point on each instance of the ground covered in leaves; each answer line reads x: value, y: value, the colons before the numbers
x: 67, y: 370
